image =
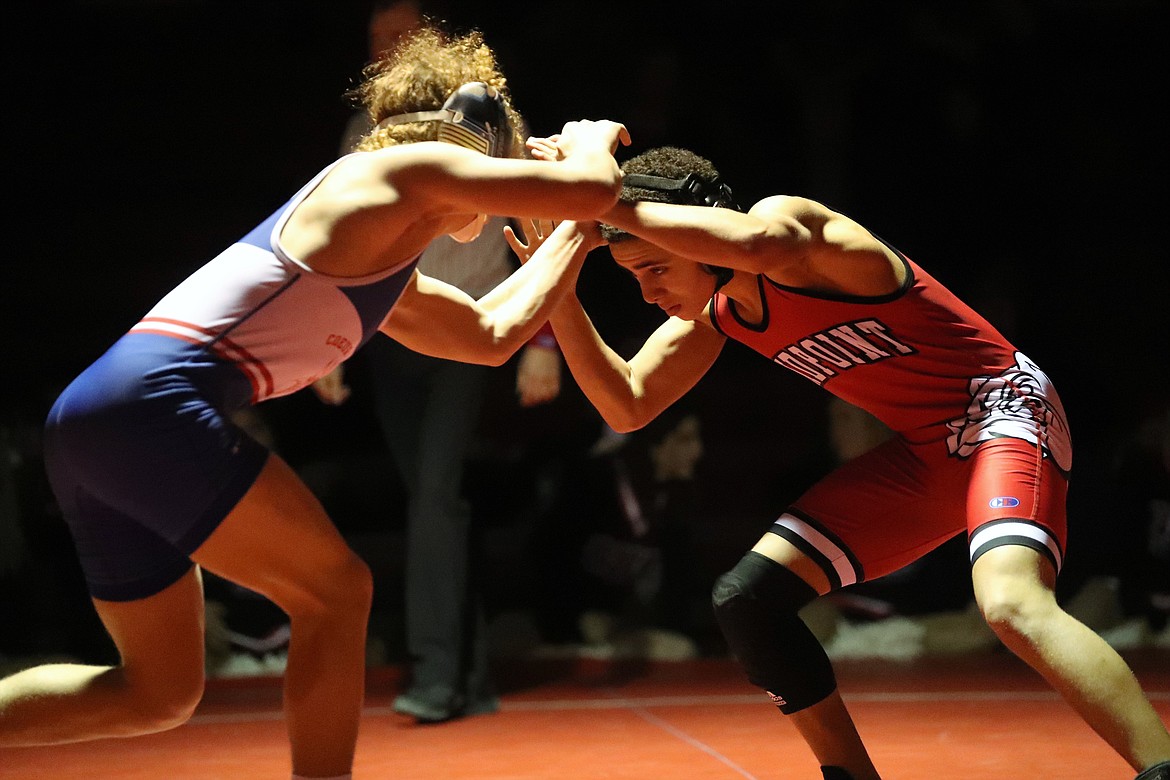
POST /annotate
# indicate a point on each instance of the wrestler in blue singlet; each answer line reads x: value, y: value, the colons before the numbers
x: 140, y: 450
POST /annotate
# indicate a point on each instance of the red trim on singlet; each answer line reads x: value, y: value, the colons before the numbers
x: 254, y: 369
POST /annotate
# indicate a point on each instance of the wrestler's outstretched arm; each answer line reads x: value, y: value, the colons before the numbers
x: 438, y: 319
x: 628, y: 394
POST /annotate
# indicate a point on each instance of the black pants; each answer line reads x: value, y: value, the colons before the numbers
x: 429, y: 410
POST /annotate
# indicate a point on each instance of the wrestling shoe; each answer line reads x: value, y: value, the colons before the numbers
x: 429, y: 705
x: 439, y: 704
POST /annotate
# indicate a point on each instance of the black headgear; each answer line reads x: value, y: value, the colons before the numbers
x: 693, y: 190
x: 474, y: 116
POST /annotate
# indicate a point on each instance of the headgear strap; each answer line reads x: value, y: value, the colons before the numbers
x: 700, y: 192
x: 697, y: 189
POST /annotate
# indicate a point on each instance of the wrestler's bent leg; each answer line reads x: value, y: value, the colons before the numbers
x: 155, y: 687
x: 1014, y: 589
x: 757, y: 605
x: 279, y: 542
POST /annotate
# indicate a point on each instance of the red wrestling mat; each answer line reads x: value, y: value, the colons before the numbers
x: 985, y: 717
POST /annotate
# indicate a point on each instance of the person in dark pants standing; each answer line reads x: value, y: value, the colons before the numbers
x: 429, y: 409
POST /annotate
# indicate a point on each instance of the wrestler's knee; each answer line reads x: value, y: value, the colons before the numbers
x: 164, y: 703
x: 342, y: 585
x: 756, y: 605
x: 349, y: 582
x: 1015, y: 604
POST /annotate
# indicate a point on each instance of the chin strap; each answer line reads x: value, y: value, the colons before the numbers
x: 722, y: 275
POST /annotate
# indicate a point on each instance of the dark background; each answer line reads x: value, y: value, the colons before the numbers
x: 1015, y: 149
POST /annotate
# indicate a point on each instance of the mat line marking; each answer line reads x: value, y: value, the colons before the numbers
x: 640, y: 703
x: 654, y: 720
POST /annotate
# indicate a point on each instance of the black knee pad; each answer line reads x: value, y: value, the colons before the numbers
x: 756, y: 604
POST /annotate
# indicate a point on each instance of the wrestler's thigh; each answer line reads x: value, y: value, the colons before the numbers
x: 160, y: 638
x: 278, y: 540
x: 880, y: 511
x: 1017, y: 496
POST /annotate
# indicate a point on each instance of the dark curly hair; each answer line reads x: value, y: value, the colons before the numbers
x: 669, y: 162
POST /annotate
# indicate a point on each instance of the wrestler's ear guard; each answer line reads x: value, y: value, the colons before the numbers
x: 478, y: 119
x: 474, y: 116
x: 693, y: 190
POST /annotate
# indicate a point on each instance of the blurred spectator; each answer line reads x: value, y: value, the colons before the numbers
x: 1141, y: 483
x: 619, y: 541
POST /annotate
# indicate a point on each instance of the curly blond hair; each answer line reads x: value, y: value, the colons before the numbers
x: 426, y: 66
